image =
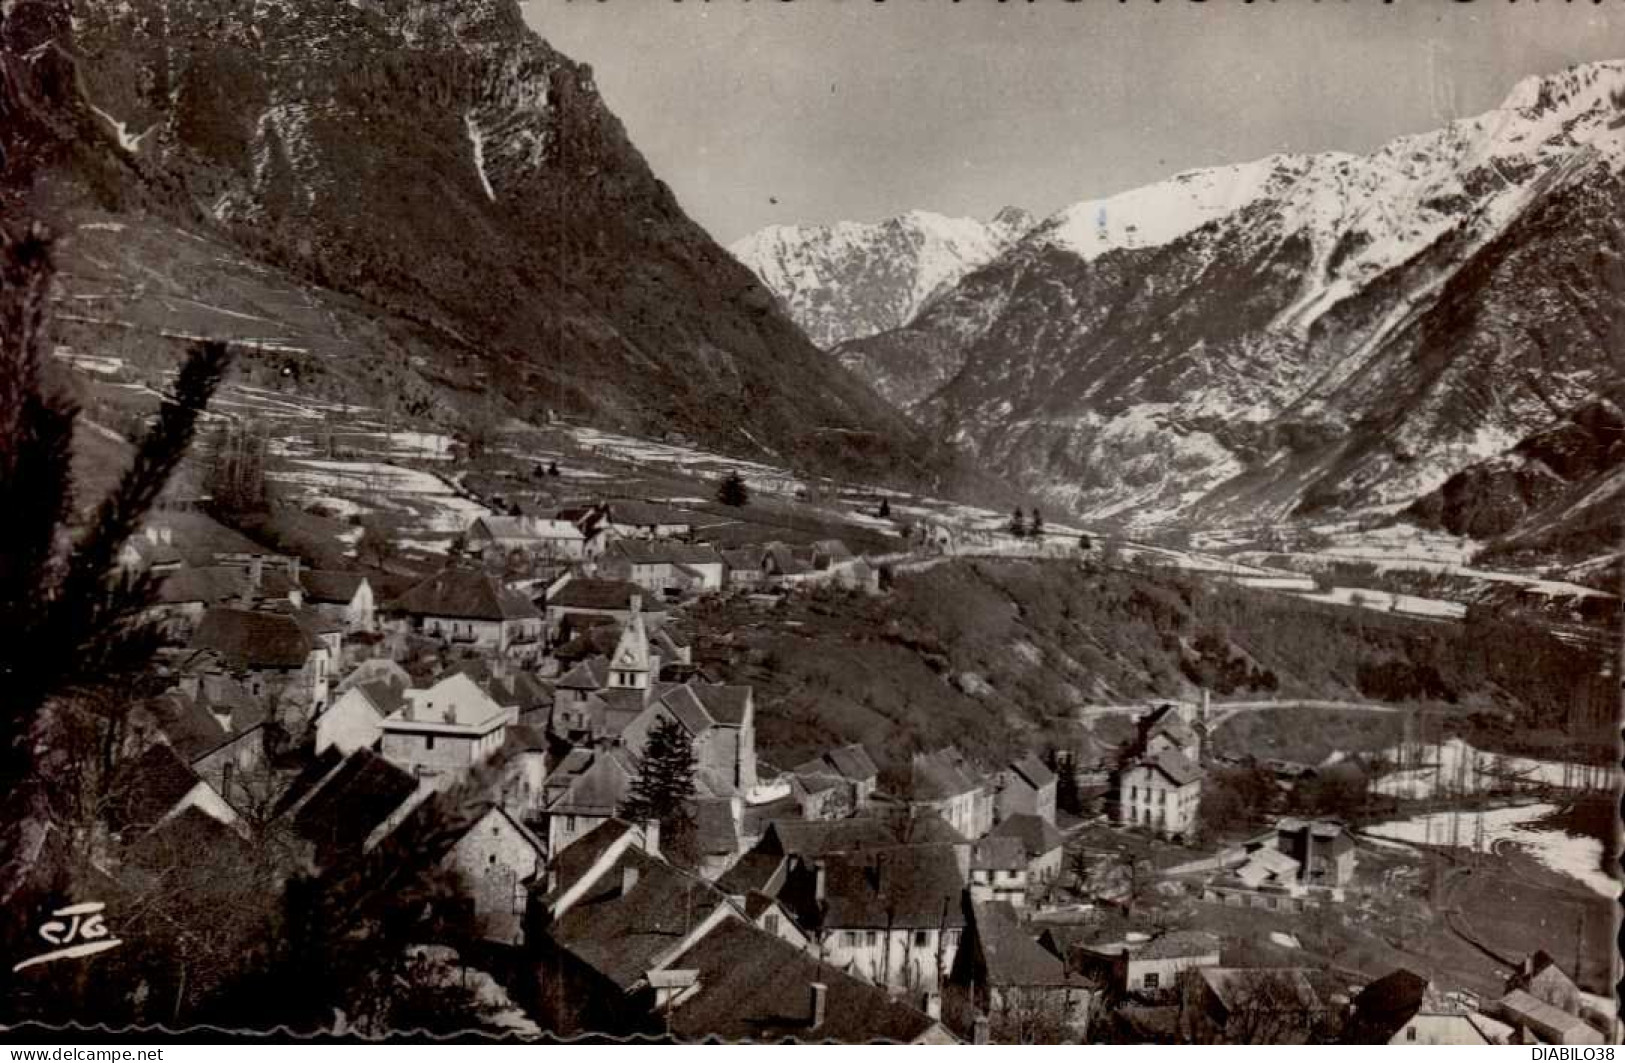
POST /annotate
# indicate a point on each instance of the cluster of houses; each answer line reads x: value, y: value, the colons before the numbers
x: 811, y: 902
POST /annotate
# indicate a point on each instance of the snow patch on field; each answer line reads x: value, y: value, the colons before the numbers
x: 1576, y: 856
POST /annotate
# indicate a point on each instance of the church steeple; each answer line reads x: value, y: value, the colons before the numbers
x: 629, y: 668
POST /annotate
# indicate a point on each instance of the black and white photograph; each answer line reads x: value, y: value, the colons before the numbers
x: 1091, y: 522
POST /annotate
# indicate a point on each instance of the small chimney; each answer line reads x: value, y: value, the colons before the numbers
x: 820, y: 1001
x: 933, y: 1005
x: 636, y: 604
x: 552, y: 880
x: 256, y: 571
x: 629, y: 879
x: 818, y: 882
x: 293, y: 567
x: 978, y: 1031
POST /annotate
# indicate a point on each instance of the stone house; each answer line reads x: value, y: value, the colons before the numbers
x: 1160, y: 792
x: 470, y: 608
x: 1027, y: 786
x: 499, y: 859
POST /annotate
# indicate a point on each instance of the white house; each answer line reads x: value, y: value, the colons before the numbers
x: 445, y: 729
x: 1160, y: 792
x: 471, y: 608
x: 355, y: 719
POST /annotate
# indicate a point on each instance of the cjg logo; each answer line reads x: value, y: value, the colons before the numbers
x: 77, y: 930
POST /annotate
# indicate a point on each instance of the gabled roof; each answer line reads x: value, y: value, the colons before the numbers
x: 1033, y: 772
x: 1178, y: 944
x: 358, y: 797
x: 209, y: 585
x: 1165, y: 719
x: 621, y: 933
x: 1010, y: 955
x: 525, y: 834
x: 331, y: 587
x: 1037, y: 835
x: 1546, y: 1020
x: 941, y: 775
x: 192, y: 730
x: 464, y: 594
x: 1383, y: 1007
x: 455, y: 701
x: 591, y: 674
x: 589, y: 782
x: 750, y: 557
x: 250, y: 638
x: 725, y: 704
x: 604, y: 595
x: 927, y: 827
x: 1173, y: 765
x: 147, y: 789
x: 811, y: 838
x: 998, y: 854
x: 902, y: 887
x: 686, y: 706
x: 756, y: 987
x: 850, y: 763
x: 522, y: 529
x: 755, y: 871
x: 190, y: 831
x: 714, y: 824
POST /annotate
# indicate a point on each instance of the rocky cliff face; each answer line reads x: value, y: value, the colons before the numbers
x: 1300, y: 334
x: 850, y: 280
x: 440, y: 161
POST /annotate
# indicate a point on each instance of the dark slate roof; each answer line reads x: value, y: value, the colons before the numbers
x: 1011, y: 956
x: 998, y: 854
x: 1178, y: 943
x: 621, y: 934
x: 526, y: 738
x: 714, y: 826
x: 192, y: 730
x: 591, y: 674
x: 726, y: 704
x: 910, y: 887
x: 940, y: 775
x: 928, y: 828
x: 853, y: 762
x: 686, y: 706
x: 816, y: 837
x: 1033, y: 771
x: 359, y: 797
x: 309, y: 777
x: 1165, y: 719
x: 385, y: 697
x: 1383, y: 1008
x: 744, y: 557
x: 850, y: 763
x: 249, y: 638
x: 332, y: 587
x: 589, y: 782
x: 756, y: 987
x: 1037, y: 836
x: 1175, y: 765
x: 577, y: 858
x: 465, y: 594
x: 600, y: 594
x: 210, y: 585
x: 753, y: 872
x: 147, y: 789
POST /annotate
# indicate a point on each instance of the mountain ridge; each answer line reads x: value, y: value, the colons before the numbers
x: 445, y: 164
x: 1304, y: 335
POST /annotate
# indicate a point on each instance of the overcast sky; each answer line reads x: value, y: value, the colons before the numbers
x: 853, y: 109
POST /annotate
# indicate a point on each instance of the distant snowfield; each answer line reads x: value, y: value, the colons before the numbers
x: 1573, y: 855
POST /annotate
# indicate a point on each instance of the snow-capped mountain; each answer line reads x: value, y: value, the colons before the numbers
x: 1294, y: 334
x: 444, y: 164
x: 854, y: 279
